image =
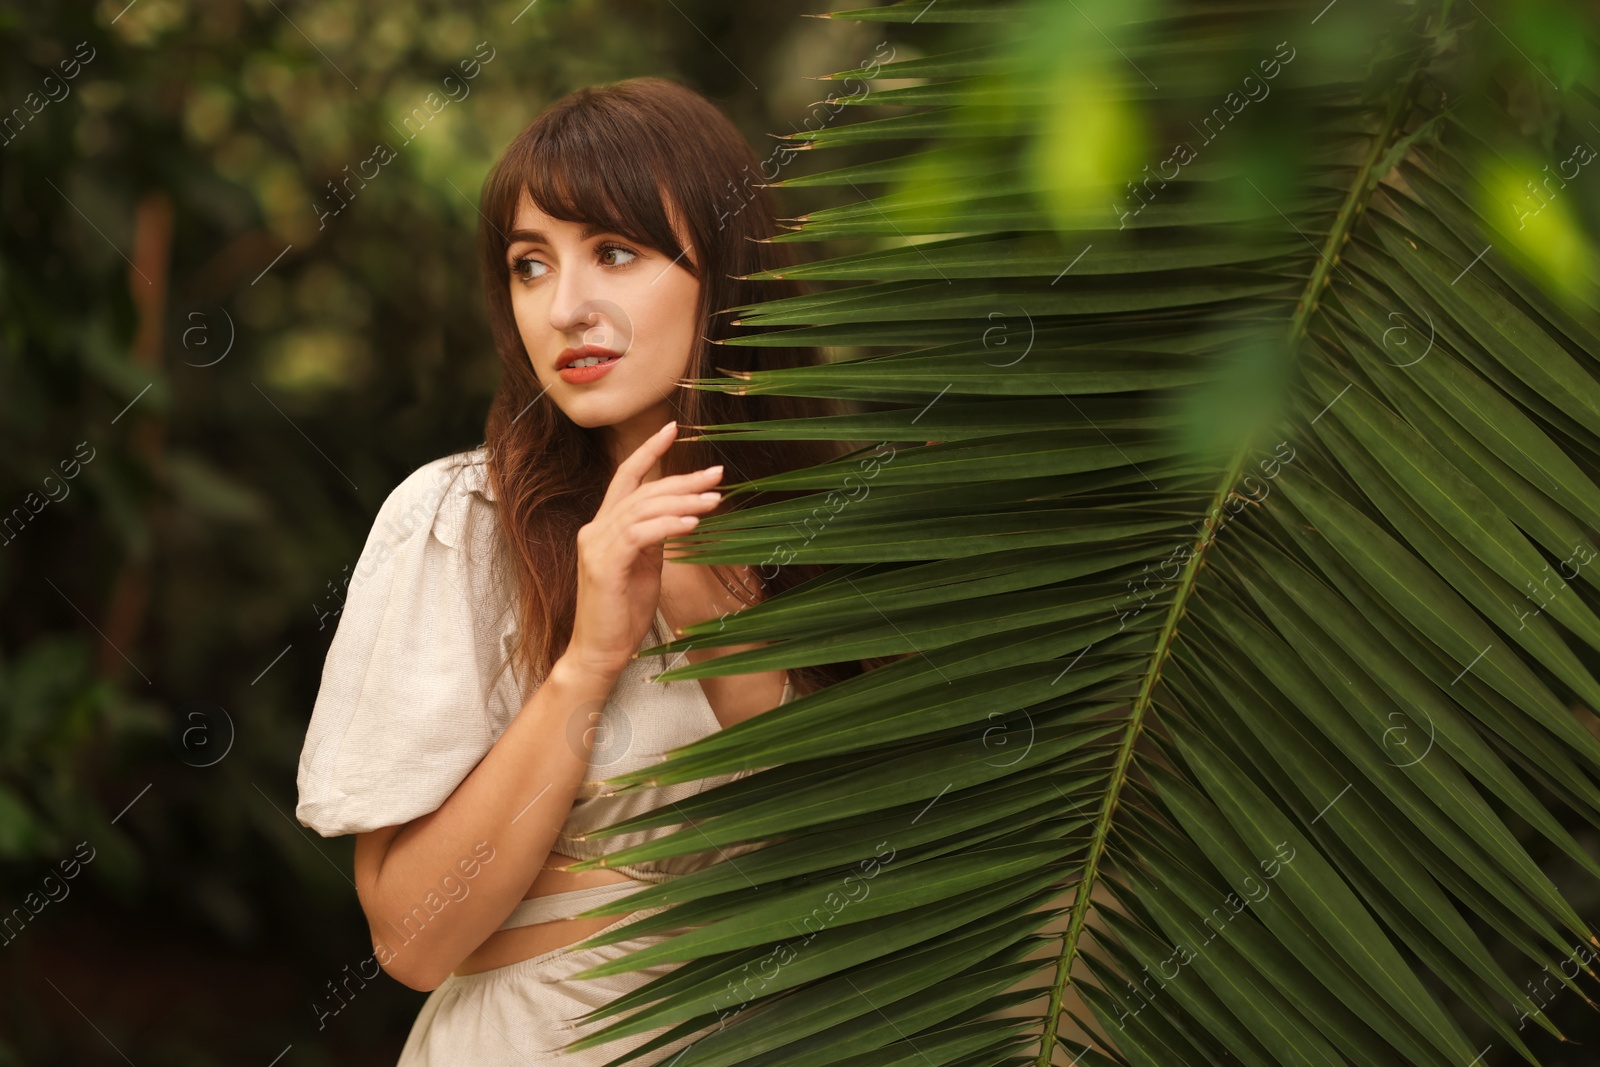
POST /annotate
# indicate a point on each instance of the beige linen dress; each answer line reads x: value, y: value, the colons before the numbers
x: 413, y: 695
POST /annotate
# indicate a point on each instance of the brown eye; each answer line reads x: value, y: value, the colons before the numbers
x: 518, y: 265
x: 604, y: 249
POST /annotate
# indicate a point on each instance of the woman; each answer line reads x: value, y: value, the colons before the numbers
x: 482, y: 683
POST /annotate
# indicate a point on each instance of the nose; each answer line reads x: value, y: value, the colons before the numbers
x: 572, y: 303
x: 583, y: 316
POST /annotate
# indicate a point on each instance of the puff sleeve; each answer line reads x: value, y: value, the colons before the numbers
x: 412, y: 693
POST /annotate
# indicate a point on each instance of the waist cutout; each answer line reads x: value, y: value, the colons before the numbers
x: 553, y: 906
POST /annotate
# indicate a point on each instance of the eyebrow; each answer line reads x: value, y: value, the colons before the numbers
x: 590, y: 229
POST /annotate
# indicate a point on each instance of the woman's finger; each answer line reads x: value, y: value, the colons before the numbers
x: 630, y: 473
x: 639, y: 509
x: 616, y: 548
x: 654, y: 531
x: 693, y: 482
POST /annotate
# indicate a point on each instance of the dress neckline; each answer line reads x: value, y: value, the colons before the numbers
x: 665, y: 632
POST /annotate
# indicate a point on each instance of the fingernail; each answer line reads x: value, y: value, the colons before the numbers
x: 714, y: 470
x: 668, y: 426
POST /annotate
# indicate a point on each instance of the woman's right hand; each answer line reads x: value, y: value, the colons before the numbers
x: 620, y: 553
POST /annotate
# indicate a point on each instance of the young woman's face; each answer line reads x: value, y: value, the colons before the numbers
x: 571, y: 288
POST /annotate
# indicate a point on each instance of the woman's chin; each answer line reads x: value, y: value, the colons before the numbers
x: 600, y: 414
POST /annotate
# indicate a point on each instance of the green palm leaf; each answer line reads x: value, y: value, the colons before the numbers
x: 1248, y: 626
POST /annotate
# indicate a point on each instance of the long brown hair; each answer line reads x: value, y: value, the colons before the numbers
x: 617, y: 155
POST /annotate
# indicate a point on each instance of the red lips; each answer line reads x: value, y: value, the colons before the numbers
x: 570, y: 355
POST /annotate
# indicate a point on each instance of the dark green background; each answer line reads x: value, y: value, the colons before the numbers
x: 226, y: 497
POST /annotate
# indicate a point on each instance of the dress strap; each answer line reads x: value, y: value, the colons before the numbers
x: 552, y: 906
